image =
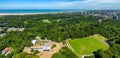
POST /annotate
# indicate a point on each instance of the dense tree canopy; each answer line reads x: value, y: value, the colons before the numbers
x: 57, y: 27
x: 65, y: 52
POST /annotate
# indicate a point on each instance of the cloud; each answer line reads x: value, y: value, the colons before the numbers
x: 102, y: 1
x: 64, y: 4
x: 92, y: 4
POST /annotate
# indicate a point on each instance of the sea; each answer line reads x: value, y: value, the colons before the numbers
x: 17, y: 11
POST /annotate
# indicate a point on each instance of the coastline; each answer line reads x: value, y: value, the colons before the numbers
x: 37, y: 13
x: 27, y: 13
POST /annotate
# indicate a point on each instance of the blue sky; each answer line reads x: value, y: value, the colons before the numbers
x: 59, y: 4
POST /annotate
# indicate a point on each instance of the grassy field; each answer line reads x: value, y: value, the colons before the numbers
x: 46, y: 21
x: 85, y: 46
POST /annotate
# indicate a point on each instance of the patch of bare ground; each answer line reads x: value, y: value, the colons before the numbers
x: 48, y: 54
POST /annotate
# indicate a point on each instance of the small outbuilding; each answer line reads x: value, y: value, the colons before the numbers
x: 6, y: 51
x: 34, y: 42
x: 46, y: 47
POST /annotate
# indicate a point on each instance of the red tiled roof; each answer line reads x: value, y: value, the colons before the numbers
x: 6, y: 49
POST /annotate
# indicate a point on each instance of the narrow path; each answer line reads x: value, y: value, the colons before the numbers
x: 69, y: 46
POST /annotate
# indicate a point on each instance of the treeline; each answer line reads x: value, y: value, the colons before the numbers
x: 112, y: 52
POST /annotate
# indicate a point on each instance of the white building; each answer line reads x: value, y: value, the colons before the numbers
x: 1, y: 29
x: 34, y: 42
x: 1, y: 35
x: 46, y: 47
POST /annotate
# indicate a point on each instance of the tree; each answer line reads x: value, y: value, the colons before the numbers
x: 32, y: 50
x: 21, y: 55
x: 65, y: 52
x: 26, y: 23
x: 58, y: 55
x: 53, y: 46
x: 36, y: 52
x: 103, y: 54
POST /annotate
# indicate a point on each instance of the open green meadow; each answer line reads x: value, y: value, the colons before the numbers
x: 85, y: 46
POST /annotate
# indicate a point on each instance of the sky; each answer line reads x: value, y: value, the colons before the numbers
x: 59, y: 4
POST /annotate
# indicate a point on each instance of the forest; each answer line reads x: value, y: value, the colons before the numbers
x: 58, y: 27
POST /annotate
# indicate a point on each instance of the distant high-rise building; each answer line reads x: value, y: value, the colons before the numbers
x: 117, y: 17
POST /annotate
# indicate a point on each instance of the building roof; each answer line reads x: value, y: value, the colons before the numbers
x: 36, y: 46
x: 6, y: 49
x: 46, y: 47
x: 34, y: 41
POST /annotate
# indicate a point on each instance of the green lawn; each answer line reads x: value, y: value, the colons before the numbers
x: 46, y: 21
x: 87, y: 45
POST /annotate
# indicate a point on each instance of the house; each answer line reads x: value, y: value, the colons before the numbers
x: 3, y: 34
x: 38, y: 37
x: 46, y: 47
x: 34, y: 42
x: 15, y: 29
x: 6, y: 51
x: 1, y: 29
x: 39, y: 48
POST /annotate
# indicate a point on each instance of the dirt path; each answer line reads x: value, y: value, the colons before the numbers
x: 69, y: 46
